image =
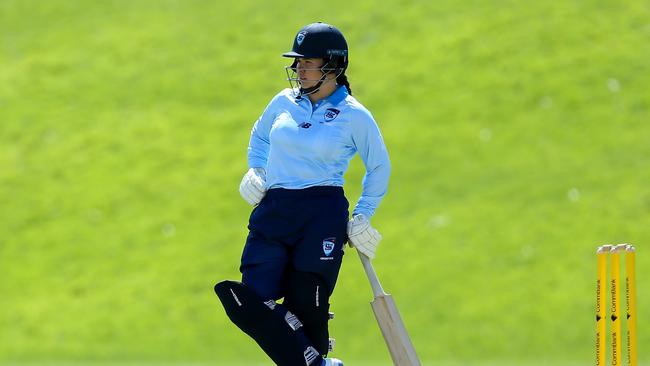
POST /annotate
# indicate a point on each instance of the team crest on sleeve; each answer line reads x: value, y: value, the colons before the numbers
x: 328, y: 247
x: 330, y: 114
x: 300, y: 37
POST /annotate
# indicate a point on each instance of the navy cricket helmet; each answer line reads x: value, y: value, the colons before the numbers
x: 318, y: 40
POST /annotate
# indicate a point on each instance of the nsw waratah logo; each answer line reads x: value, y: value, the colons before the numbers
x: 328, y: 246
x: 300, y: 37
x: 330, y: 114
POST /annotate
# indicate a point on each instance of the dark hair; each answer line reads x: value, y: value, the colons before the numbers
x: 343, y: 80
x: 338, y: 65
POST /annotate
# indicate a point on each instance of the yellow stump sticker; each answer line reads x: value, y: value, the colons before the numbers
x: 630, y: 294
x: 601, y: 325
x: 615, y: 308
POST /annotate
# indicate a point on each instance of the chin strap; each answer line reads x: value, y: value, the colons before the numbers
x: 315, y: 88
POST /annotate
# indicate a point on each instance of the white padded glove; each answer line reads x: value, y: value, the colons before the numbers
x: 363, y: 236
x: 253, y: 186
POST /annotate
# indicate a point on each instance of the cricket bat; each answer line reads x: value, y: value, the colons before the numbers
x: 390, y: 322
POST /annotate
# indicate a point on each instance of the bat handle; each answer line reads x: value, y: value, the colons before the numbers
x: 372, y: 276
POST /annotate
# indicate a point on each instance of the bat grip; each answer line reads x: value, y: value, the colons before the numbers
x: 372, y: 276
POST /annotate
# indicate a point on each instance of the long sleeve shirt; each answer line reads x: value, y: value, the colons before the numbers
x: 301, y: 145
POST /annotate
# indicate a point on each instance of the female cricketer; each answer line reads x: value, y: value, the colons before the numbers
x: 299, y: 149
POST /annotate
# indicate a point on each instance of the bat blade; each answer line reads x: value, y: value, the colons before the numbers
x: 392, y: 328
x: 390, y: 322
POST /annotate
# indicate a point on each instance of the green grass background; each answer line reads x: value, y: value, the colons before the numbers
x: 518, y: 133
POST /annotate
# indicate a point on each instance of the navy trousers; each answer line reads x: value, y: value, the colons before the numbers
x: 299, y: 230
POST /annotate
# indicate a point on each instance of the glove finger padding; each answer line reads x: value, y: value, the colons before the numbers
x: 246, y: 192
x: 256, y: 183
x: 251, y: 196
x: 363, y: 236
x: 368, y: 246
x: 358, y: 224
x: 252, y: 187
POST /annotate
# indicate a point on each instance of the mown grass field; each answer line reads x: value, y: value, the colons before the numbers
x: 518, y: 133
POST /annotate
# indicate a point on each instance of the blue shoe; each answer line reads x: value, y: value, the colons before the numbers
x: 332, y: 362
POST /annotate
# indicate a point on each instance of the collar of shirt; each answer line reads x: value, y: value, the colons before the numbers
x: 335, y: 98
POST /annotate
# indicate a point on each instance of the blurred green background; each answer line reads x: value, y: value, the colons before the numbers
x: 518, y: 133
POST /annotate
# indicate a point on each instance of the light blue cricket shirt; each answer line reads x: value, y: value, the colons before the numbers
x: 303, y: 145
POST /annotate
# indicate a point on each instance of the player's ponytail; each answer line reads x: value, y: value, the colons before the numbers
x: 343, y: 80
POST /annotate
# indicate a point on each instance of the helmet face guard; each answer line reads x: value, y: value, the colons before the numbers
x: 329, y: 67
x: 317, y: 40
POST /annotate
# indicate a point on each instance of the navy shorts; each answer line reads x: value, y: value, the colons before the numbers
x: 295, y: 230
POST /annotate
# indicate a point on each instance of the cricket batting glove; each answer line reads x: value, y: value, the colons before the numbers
x: 253, y: 186
x: 363, y: 236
